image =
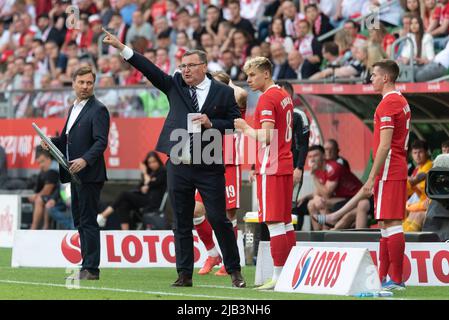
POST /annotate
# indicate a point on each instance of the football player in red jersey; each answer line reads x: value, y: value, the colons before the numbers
x: 274, y: 162
x: 233, y: 182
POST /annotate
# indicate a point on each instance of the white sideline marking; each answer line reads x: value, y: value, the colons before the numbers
x: 162, y: 293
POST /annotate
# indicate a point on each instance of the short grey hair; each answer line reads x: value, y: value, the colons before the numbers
x: 200, y: 53
x: 442, y: 161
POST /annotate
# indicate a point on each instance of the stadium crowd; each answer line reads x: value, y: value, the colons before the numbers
x: 42, y: 41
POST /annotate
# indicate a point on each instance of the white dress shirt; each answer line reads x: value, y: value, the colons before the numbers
x: 77, y: 108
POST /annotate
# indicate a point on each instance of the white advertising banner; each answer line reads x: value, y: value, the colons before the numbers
x: 329, y: 270
x: 425, y: 264
x: 119, y: 249
x: 9, y: 219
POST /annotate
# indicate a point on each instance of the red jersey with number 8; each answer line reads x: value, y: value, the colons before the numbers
x: 393, y: 112
x: 275, y: 105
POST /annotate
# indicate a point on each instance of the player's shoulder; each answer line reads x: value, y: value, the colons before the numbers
x: 332, y: 166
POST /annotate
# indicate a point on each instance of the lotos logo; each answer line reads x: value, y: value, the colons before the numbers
x: 301, y: 269
x: 71, y: 249
x: 320, y: 269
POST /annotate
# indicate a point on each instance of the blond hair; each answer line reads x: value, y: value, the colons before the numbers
x: 259, y: 63
x: 221, y: 76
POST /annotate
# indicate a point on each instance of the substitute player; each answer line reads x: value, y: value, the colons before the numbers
x: 388, y: 176
x: 274, y: 163
x: 233, y: 182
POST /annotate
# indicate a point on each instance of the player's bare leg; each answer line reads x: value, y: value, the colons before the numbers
x: 205, y: 233
x: 361, y: 220
x: 314, y: 206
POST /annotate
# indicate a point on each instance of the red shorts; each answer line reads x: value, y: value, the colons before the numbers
x: 274, y: 196
x: 233, y: 179
x: 390, y: 198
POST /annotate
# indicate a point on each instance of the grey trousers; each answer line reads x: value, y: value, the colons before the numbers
x: 429, y: 71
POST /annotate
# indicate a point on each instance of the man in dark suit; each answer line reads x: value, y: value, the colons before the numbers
x: 193, y: 90
x: 84, y: 140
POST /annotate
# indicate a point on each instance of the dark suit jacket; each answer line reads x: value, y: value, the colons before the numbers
x: 220, y: 105
x: 87, y: 139
x: 286, y: 72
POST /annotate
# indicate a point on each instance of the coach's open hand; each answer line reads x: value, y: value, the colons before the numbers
x: 77, y: 165
x: 240, y: 124
x: 112, y: 40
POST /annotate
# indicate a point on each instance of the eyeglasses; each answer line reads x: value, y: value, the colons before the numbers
x: 189, y: 66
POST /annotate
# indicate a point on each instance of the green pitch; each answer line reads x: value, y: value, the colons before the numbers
x: 152, y: 283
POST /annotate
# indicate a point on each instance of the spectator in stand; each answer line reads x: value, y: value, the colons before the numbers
x: 412, y: 6
x: 151, y: 189
x: 108, y: 96
x: 224, y: 28
x: 182, y: 42
x: 295, y: 61
x: 439, y: 24
x: 240, y: 44
x: 327, y: 7
x: 356, y: 68
x: 332, y: 152
x: 277, y: 33
x: 428, y: 12
x: 66, y: 77
x: 117, y: 27
x: 163, y: 61
x: 126, y: 9
x: 320, y: 23
x: 289, y: 13
x: 347, y: 9
x: 331, y: 56
x: 309, y: 48
x: 116, y: 68
x: 334, y: 185
x: 213, y: 19
x: 353, y: 29
x: 161, y: 26
x: 422, y: 44
x: 57, y: 205
x: 47, y: 32
x: 382, y: 38
x: 172, y: 6
x: 48, y: 104
x: 47, y: 182
x: 196, y: 29
x: 281, y: 69
x: 4, y: 37
x: 236, y: 19
x: 229, y: 66
x: 417, y: 202
x: 104, y: 10
x: 103, y: 65
x: 406, y: 22
x: 158, y: 9
x: 140, y: 28
x: 57, y: 61
x: 182, y: 21
x: 22, y: 102
x: 445, y: 147
x: 344, y: 42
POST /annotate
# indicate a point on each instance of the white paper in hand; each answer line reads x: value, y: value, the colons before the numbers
x: 191, y: 126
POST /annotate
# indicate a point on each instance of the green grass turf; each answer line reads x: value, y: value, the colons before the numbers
x: 152, y: 283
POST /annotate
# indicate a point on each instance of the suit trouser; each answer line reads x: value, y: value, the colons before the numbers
x: 182, y: 182
x: 85, y: 199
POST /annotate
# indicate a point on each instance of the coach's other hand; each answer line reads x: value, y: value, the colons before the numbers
x: 77, y: 165
x: 203, y: 120
x: 112, y: 40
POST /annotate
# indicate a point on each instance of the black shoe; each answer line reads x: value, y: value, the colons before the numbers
x: 237, y: 280
x: 182, y: 281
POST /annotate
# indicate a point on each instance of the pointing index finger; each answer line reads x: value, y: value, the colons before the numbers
x: 105, y: 31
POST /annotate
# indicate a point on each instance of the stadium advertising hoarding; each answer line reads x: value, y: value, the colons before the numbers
x: 327, y: 270
x: 425, y: 264
x: 9, y: 219
x: 119, y: 249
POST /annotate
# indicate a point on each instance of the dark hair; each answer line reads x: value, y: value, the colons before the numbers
x: 420, y: 144
x: 355, y: 24
x: 311, y: 5
x: 335, y: 143
x: 164, y: 34
x: 82, y: 71
x: 445, y: 144
x: 420, y: 35
x: 200, y: 53
x: 390, y: 67
x: 152, y: 154
x: 234, y: 2
x: 331, y: 48
x: 42, y: 152
x: 317, y: 147
x: 287, y: 86
x: 270, y: 31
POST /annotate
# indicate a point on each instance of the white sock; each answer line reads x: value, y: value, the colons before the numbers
x: 212, y: 252
x: 276, y: 273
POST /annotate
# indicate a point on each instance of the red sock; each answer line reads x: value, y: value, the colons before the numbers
x: 204, y: 230
x: 279, y: 249
x: 396, y: 248
x: 384, y: 258
x: 291, y: 238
